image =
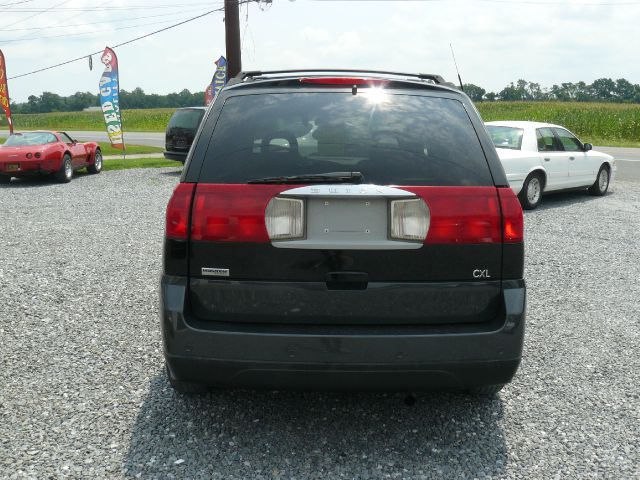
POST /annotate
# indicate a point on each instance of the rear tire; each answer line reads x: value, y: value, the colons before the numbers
x: 601, y: 185
x: 486, y: 390
x: 185, y: 387
x: 4, y: 179
x: 65, y: 174
x: 96, y: 166
x: 531, y: 192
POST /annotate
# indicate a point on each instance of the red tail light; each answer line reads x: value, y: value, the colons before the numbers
x: 236, y: 213
x: 374, y: 82
x: 462, y: 214
x: 232, y: 213
x: 513, y: 221
x: 177, y: 218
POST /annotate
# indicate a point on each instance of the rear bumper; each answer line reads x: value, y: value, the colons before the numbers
x: 178, y: 156
x: 332, y: 357
x: 29, y: 167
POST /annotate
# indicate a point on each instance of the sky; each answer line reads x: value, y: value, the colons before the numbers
x: 495, y: 41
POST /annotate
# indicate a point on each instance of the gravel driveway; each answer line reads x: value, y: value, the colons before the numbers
x: 83, y: 393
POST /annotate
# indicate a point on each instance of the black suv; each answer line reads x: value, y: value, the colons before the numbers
x: 343, y: 230
x: 181, y: 130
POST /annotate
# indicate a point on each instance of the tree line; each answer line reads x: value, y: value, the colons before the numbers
x: 137, y: 98
x: 601, y: 90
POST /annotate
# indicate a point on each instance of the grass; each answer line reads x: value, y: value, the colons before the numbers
x: 120, y: 164
x: 107, y: 149
x: 144, y: 120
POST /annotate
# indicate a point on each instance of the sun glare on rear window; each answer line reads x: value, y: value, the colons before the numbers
x: 392, y: 138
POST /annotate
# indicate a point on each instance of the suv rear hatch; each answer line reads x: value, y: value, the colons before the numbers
x: 324, y: 207
x: 182, y: 129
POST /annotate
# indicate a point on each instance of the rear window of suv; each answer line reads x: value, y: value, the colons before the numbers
x: 392, y: 139
x: 186, y: 118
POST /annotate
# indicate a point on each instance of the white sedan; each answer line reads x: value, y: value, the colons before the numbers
x: 541, y: 157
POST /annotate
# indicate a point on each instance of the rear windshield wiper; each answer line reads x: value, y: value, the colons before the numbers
x: 330, y: 177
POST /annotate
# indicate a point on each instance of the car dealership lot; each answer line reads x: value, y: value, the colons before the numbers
x: 83, y: 392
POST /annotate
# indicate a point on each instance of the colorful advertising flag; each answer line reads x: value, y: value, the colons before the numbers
x: 218, y: 81
x: 109, y: 98
x: 4, y: 92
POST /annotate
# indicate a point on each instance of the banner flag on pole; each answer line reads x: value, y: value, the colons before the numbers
x: 5, y: 102
x: 218, y: 81
x: 109, y: 98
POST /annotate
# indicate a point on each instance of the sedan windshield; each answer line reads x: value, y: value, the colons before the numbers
x: 29, y: 139
x: 506, y: 137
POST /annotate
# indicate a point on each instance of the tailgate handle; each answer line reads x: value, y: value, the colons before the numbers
x: 347, y: 280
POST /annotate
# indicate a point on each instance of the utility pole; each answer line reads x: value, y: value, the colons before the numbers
x: 232, y: 37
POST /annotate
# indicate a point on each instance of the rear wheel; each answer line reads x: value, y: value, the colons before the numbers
x: 185, y: 387
x: 601, y: 184
x: 65, y: 173
x: 96, y: 167
x: 5, y: 179
x: 531, y: 192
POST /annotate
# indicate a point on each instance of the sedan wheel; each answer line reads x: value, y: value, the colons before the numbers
x: 96, y: 167
x: 601, y: 184
x: 531, y: 192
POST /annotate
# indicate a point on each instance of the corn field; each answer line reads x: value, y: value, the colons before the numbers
x: 590, y: 121
x: 152, y: 120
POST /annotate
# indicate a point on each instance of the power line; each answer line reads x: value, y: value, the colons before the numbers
x: 66, y: 25
x: 83, y: 34
x: 32, y: 16
x: 15, y: 3
x: 118, y: 45
x: 110, y: 8
x: 71, y: 17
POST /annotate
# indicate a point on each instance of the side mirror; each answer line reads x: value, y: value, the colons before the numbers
x: 587, y: 147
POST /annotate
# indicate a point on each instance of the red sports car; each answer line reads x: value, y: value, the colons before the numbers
x: 43, y: 152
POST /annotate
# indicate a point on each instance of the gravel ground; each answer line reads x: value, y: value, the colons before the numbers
x: 83, y: 393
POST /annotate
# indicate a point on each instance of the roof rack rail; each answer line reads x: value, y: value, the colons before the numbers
x: 437, y: 79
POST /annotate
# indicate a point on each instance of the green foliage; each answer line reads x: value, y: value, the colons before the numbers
x: 120, y: 164
x: 610, y: 122
x: 474, y: 92
x: 601, y: 90
x: 52, y: 102
x: 153, y: 120
x: 107, y: 149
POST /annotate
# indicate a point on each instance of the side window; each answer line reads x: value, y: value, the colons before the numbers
x: 547, y: 141
x: 569, y: 142
x: 65, y: 138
